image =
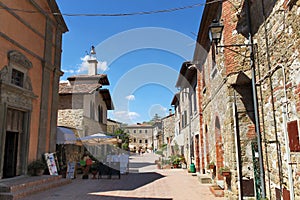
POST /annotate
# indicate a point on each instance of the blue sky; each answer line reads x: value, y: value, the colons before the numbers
x: 141, y: 54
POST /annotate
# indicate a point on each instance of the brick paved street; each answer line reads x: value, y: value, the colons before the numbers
x: 149, y: 184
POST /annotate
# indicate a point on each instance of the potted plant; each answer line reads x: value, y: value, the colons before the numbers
x: 224, y: 171
x: 63, y: 171
x: 37, y: 168
x: 94, y: 169
x: 211, y: 165
x: 176, y: 161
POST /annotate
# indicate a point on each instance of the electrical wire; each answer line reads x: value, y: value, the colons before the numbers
x: 117, y: 14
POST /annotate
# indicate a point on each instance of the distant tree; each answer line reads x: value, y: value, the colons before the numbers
x: 120, y: 133
x: 155, y: 119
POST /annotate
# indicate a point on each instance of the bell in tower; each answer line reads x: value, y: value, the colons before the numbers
x: 92, y: 70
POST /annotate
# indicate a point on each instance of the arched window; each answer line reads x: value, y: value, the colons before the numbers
x: 100, y: 114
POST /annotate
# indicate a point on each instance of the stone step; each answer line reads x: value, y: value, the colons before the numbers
x: 217, y: 191
x: 204, y: 179
x: 30, y: 186
x: 19, y: 183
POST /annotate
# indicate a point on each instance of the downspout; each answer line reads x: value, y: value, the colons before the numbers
x: 238, y: 148
x: 255, y: 103
x: 287, y: 146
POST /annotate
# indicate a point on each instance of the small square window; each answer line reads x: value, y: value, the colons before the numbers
x: 17, y: 77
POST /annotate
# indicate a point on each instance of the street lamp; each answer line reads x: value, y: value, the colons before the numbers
x: 215, y: 35
x: 215, y: 31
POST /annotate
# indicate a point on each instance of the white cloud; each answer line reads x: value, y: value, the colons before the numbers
x: 125, y: 116
x: 102, y: 66
x: 133, y: 114
x: 130, y: 97
x: 157, y: 109
x: 83, y: 67
x: 71, y: 71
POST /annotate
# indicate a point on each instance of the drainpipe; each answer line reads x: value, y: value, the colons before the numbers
x: 255, y: 103
x: 287, y: 146
x: 238, y: 148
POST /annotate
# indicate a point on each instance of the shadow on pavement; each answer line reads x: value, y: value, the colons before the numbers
x: 140, y: 165
x: 130, y: 198
x: 131, y: 181
x: 127, y: 183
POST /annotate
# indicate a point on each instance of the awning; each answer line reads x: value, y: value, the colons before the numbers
x: 65, y: 136
x: 99, y: 138
x: 179, y: 139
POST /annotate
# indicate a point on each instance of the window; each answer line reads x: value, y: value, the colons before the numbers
x: 293, y: 132
x: 184, y: 119
x: 17, y: 78
x: 141, y: 131
x: 146, y: 141
x: 134, y: 131
x: 213, y: 63
x: 100, y: 114
x: 145, y: 131
x: 134, y: 139
x: 140, y: 141
x: 195, y: 99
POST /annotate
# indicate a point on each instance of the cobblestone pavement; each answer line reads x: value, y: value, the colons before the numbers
x: 149, y: 183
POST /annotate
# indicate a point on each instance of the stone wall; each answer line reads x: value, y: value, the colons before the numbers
x: 168, y: 128
x: 278, y: 43
x: 92, y: 127
x: 71, y: 101
x: 72, y: 118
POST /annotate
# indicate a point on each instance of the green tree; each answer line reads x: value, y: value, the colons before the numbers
x: 120, y: 133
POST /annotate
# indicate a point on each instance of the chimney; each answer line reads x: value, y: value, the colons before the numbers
x: 170, y: 111
x: 92, y: 70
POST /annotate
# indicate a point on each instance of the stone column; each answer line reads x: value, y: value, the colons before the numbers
x: 2, y: 135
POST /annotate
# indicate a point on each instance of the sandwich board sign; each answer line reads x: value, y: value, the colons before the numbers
x: 51, y: 163
x: 71, y: 170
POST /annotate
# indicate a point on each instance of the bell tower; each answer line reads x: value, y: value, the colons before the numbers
x: 92, y: 70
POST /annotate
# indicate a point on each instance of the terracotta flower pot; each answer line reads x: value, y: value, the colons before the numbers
x: 226, y: 173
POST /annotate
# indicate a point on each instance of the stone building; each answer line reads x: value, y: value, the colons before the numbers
x: 168, y: 131
x: 177, y: 145
x: 249, y: 97
x: 186, y: 109
x: 157, y: 136
x: 141, y: 136
x: 113, y: 126
x: 83, y: 102
x: 30, y: 68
